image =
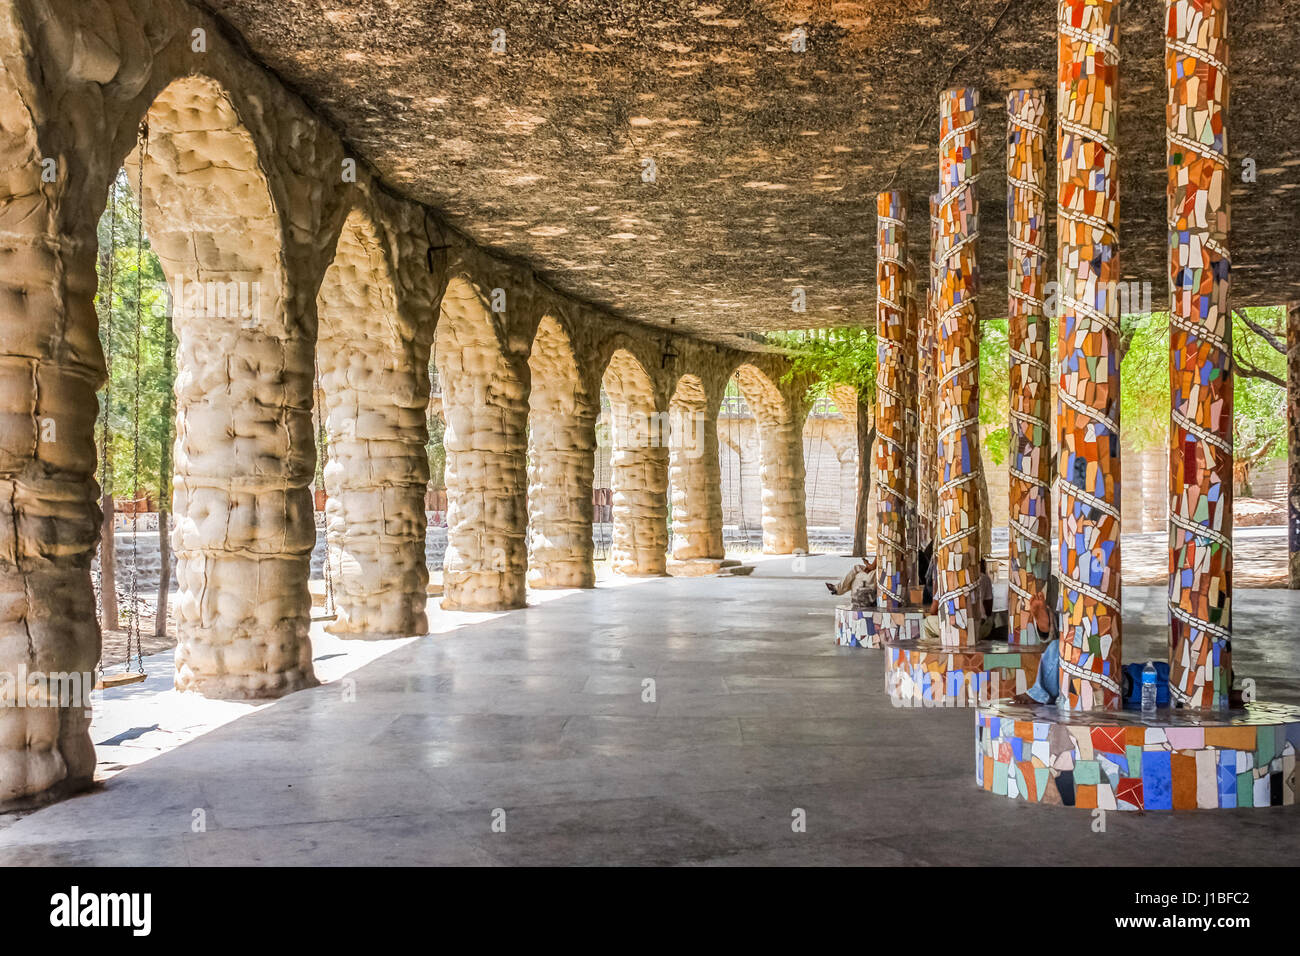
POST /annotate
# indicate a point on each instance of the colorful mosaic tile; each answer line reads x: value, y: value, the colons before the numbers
x: 1087, y: 408
x: 871, y: 627
x: 927, y: 673
x: 957, y: 552
x: 1031, y: 467
x: 1200, y: 343
x: 1185, y: 760
x: 914, y: 306
x: 855, y: 627
x: 893, y: 556
x: 927, y: 436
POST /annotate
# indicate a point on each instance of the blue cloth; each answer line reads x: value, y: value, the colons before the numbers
x: 1047, y: 685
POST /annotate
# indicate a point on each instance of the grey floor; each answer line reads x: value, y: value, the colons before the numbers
x: 536, y: 718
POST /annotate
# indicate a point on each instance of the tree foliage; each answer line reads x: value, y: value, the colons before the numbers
x: 132, y: 294
x: 843, y: 356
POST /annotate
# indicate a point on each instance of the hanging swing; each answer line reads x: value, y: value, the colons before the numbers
x: 134, y: 647
x: 330, y: 612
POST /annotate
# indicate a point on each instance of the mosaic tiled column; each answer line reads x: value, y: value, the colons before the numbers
x: 1200, y: 346
x: 957, y: 554
x: 1031, y: 466
x: 911, y: 323
x: 925, y: 393
x: 891, y: 397
x: 1293, y: 442
x: 1087, y: 412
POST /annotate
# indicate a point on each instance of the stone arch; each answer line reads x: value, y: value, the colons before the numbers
x: 781, y: 469
x: 485, y: 400
x: 694, y: 479
x: 639, y: 462
x: 374, y: 390
x: 561, y: 463
x: 50, y: 365
x: 244, y: 529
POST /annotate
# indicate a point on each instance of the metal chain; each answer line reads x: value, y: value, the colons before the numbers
x: 133, y: 632
x: 104, y: 471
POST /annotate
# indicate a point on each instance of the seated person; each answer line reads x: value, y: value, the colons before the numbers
x: 1047, y: 684
x: 860, y: 576
x: 981, y: 607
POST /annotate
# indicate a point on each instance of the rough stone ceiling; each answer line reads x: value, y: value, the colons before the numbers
x: 768, y: 161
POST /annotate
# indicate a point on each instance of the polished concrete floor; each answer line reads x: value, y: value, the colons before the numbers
x: 535, y: 720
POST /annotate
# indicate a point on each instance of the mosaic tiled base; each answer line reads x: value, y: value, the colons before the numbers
x: 926, y: 673
x: 1088, y: 339
x: 957, y: 332
x: 1200, y: 345
x: 1181, y: 760
x: 869, y: 628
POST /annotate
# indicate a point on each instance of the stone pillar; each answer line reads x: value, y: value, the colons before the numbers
x: 695, y: 480
x: 374, y: 387
x: 245, y: 452
x: 375, y: 479
x: 958, y: 552
x: 640, y: 467
x: 561, y: 466
x: 750, y: 490
x: 244, y: 522
x: 891, y: 399
x: 781, y: 470
x: 1200, y: 346
x: 1087, y: 412
x: 1031, y: 465
x: 1293, y: 443
x: 785, y: 515
x: 485, y: 398
x: 848, y: 460
x: 50, y: 367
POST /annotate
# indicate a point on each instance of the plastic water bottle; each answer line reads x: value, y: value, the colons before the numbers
x: 1149, y: 689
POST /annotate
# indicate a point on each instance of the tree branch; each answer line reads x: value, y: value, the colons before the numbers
x: 1269, y: 337
x: 1249, y: 370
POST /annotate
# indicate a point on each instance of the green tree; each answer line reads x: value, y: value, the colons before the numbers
x: 833, y: 357
x: 133, y: 298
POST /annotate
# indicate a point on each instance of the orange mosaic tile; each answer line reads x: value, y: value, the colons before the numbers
x: 1200, y: 343
x: 957, y: 551
x: 1087, y: 403
x: 892, y: 400
x: 1030, y: 382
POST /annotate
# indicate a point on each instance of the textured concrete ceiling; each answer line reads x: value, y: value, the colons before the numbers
x: 767, y: 160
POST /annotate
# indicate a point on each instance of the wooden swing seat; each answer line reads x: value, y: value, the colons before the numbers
x: 109, y: 681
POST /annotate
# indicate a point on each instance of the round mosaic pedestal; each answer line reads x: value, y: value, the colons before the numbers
x: 927, y: 673
x: 1116, y: 760
x: 858, y: 627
